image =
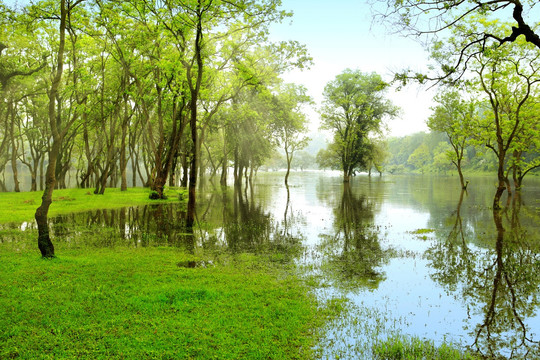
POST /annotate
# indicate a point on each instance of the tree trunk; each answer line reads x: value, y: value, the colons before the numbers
x: 41, y: 177
x: 346, y: 176
x: 289, y: 161
x: 172, y: 175
x: 223, y: 179
x: 33, y: 172
x: 194, y: 89
x: 190, y: 218
x: 461, y: 177
x: 133, y: 171
x: 123, y: 161
x: 45, y: 244
x: 288, y: 171
x: 14, y: 149
x: 14, y: 167
x: 185, y: 171
x: 501, y: 186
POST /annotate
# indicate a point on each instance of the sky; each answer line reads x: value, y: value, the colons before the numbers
x: 340, y: 34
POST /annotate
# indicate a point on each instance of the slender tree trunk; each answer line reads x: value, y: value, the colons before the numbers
x: 289, y: 160
x: 45, y: 244
x: 172, y: 175
x: 41, y: 172
x: 14, y: 149
x: 33, y: 186
x: 501, y: 185
x: 123, y: 160
x: 14, y: 168
x: 346, y: 176
x: 133, y: 171
x: 236, y: 165
x: 460, y: 173
x: 190, y: 217
x: 185, y: 171
x: 223, y: 179
x: 44, y: 241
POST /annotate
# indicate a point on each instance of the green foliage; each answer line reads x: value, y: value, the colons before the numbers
x: 329, y: 158
x: 420, y: 157
x: 353, y: 110
x: 475, y: 158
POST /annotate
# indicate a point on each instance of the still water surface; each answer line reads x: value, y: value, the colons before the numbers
x: 414, y: 255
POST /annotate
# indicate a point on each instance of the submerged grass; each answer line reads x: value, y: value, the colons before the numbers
x: 19, y: 207
x: 144, y: 303
x: 413, y: 348
x: 362, y: 331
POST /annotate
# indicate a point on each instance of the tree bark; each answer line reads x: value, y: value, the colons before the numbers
x: 45, y: 244
x: 461, y: 177
x: 14, y: 148
x: 346, y: 176
x: 223, y: 179
x: 194, y: 90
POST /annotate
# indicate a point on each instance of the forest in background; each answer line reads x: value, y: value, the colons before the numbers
x: 429, y: 153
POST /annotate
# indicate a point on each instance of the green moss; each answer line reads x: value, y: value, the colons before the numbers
x: 22, y: 206
x: 140, y: 304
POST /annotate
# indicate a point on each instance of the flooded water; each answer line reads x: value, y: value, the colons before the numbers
x: 414, y: 255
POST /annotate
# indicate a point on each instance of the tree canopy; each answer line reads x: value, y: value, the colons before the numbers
x: 354, y: 108
x: 432, y: 21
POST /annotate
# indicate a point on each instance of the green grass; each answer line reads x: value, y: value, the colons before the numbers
x: 413, y: 348
x: 143, y: 303
x: 19, y: 207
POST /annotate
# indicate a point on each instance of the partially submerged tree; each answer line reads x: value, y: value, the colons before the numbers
x: 354, y: 107
x: 289, y: 122
x: 453, y: 116
x: 509, y: 83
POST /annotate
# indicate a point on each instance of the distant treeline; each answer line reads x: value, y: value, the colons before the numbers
x: 428, y: 153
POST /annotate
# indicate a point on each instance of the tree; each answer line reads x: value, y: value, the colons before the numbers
x: 509, y: 84
x: 195, y: 25
x: 377, y: 155
x: 453, y: 116
x: 354, y: 107
x: 526, y: 146
x: 434, y: 18
x: 58, y: 131
x: 420, y: 157
x: 289, y: 122
x: 21, y: 60
x: 305, y: 160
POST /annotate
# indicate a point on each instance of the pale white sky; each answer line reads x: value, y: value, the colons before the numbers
x: 340, y: 34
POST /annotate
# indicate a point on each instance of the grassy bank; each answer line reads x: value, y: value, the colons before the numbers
x: 19, y: 207
x: 147, y: 303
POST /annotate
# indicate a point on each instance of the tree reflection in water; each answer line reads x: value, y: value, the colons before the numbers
x: 499, y: 284
x: 353, y: 253
x: 244, y: 224
x: 151, y: 225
